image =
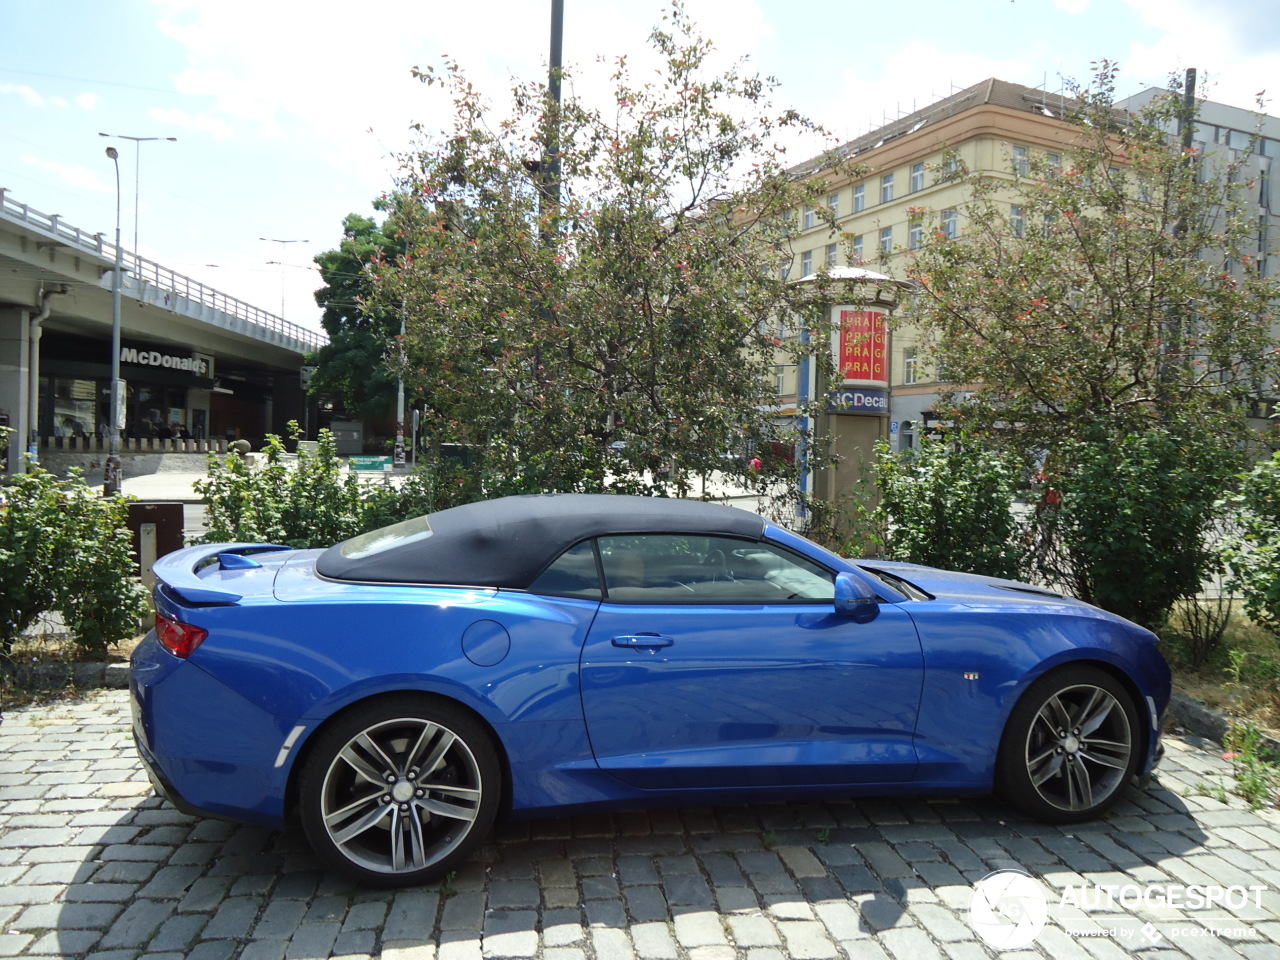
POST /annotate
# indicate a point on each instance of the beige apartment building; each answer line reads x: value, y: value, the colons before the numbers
x: 903, y: 193
x: 992, y: 126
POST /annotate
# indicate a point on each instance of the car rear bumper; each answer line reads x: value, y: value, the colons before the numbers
x: 207, y: 749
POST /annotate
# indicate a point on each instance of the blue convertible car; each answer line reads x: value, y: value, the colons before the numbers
x: 534, y: 655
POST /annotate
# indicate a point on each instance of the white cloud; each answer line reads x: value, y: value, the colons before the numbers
x: 32, y: 98
x: 1235, y: 50
x: 82, y: 178
x: 216, y: 128
x: 912, y: 77
x: 87, y: 101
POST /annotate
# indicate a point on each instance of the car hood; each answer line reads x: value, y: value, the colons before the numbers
x: 976, y: 590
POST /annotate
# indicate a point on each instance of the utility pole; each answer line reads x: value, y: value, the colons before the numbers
x: 282, y: 265
x: 112, y: 476
x: 399, y: 450
x: 137, y: 174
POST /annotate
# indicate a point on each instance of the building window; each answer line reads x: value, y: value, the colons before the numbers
x: 833, y: 252
x: 810, y: 217
x: 886, y: 188
x: 1021, y: 161
x: 917, y: 177
x: 886, y: 241
x: 857, y: 249
x: 859, y: 198
x: 915, y: 236
x: 833, y: 202
x: 950, y: 224
x: 910, y: 362
x: 1054, y: 162
x: 1017, y: 221
x: 806, y: 263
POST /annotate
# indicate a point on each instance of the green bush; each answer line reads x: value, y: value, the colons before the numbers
x: 949, y: 504
x: 1253, y: 555
x: 1126, y: 525
x: 313, y: 503
x: 65, y: 549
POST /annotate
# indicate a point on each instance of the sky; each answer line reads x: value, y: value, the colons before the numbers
x: 290, y: 114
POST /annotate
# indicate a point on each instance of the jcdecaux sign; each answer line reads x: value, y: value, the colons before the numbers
x: 859, y: 400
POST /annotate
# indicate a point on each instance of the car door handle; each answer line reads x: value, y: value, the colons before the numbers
x: 642, y: 640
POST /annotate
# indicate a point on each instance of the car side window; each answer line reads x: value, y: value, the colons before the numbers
x: 676, y: 568
x: 572, y: 574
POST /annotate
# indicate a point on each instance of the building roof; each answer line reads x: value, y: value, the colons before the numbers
x: 989, y: 92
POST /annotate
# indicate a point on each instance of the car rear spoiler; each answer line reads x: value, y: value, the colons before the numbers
x: 180, y: 570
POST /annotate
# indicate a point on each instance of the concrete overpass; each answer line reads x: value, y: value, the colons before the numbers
x: 55, y: 279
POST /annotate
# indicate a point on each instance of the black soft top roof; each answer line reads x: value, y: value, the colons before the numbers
x: 508, y: 542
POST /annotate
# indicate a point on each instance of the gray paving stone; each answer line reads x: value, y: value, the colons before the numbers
x: 60, y: 943
x: 605, y: 913
x: 312, y: 939
x: 753, y: 930
x: 279, y: 920
x: 234, y: 918
x: 412, y: 915
x: 177, y: 933
x: 510, y: 933
x: 607, y: 942
x: 698, y: 929
x: 645, y: 904
x: 139, y: 922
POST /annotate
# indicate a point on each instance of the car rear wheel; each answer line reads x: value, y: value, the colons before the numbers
x: 1071, y: 745
x: 400, y: 791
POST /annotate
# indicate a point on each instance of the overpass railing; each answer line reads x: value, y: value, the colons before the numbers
x: 154, y: 273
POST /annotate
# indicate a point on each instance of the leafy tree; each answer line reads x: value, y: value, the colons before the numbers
x: 601, y: 314
x: 1126, y: 294
x: 352, y: 367
x: 1118, y: 326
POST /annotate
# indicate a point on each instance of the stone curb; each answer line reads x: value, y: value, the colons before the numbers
x: 84, y: 676
x: 1209, y: 722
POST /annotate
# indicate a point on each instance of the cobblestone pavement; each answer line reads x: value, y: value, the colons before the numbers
x: 93, y: 864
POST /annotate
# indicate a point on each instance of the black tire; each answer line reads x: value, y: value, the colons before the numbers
x: 400, y: 791
x: 1070, y: 747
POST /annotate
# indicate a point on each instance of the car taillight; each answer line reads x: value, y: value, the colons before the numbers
x: 180, y: 639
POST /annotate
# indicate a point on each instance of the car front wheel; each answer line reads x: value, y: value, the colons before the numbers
x: 1071, y: 745
x: 400, y: 791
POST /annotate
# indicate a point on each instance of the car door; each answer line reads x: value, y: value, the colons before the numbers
x: 716, y: 662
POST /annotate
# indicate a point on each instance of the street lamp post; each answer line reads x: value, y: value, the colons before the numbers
x: 112, y: 477
x: 282, y: 265
x: 137, y: 174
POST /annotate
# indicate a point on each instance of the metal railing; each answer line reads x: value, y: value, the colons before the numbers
x: 85, y: 444
x: 154, y: 274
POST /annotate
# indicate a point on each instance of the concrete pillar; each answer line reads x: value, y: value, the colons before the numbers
x: 14, y: 331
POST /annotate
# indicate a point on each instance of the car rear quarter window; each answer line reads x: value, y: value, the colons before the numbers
x: 386, y: 538
x: 573, y: 574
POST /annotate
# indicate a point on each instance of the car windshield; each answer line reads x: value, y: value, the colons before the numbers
x: 905, y: 587
x: 376, y: 541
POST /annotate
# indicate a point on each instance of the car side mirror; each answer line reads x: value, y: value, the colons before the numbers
x: 855, y: 598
